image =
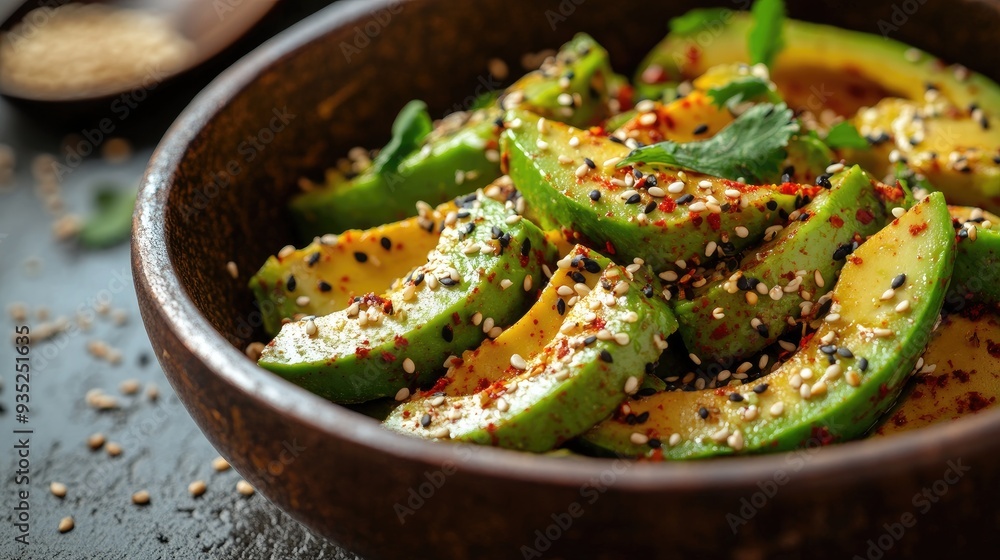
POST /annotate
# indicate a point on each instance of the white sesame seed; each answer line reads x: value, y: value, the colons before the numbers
x: 833, y: 371
x: 543, y: 125
x: 694, y: 358
x: 721, y: 435
x: 581, y: 289
x: 233, y: 270
x: 611, y: 162
x: 506, y: 283
x: 403, y: 394
x: 409, y: 366
x: 777, y: 408
x: 669, y: 276
x: 818, y: 278
x: 697, y: 207
x: 762, y: 363
x: 735, y: 441
x: 852, y: 378
x: 564, y: 159
x: 710, y: 248
x: 751, y: 298
x: 197, y: 488
x: 676, y: 187
x: 502, y: 405
x: 286, y: 251
x: 903, y: 306
x: 733, y: 193
x: 888, y: 294
x: 805, y: 391
x: 441, y: 433
x: 882, y: 333
x: 437, y: 401
x: 638, y: 439
x: 674, y: 439
x: 898, y: 212
x: 311, y: 328
x: 795, y: 381
x: 718, y: 313
x: 518, y: 362
x: 140, y: 498
x: 761, y: 288
x: 705, y: 184
x: 776, y: 293
x: 832, y: 318
x: 647, y: 119
x: 511, y: 220
x: 542, y: 145
x: 656, y: 192
x: 582, y: 170
x: 806, y: 373
x: 835, y: 168
x: 574, y: 142
x: 628, y: 194
x: 622, y: 338
x: 302, y: 301
x: 631, y: 385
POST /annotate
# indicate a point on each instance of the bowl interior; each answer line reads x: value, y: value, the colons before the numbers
x: 301, y: 101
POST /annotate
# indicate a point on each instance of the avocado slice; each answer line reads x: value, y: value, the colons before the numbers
x: 843, y: 377
x: 977, y: 263
x: 450, y: 163
x: 778, y: 284
x: 958, y: 375
x: 382, y: 344
x: 573, y: 87
x: 587, y: 368
x: 615, y: 209
x: 327, y: 274
x: 885, y: 83
x: 480, y: 367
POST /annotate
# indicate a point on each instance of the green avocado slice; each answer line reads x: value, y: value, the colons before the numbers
x: 977, y: 263
x: 448, y: 165
x: 841, y: 379
x: 599, y: 356
x: 574, y: 87
x: 472, y: 286
x: 706, y: 218
x: 778, y: 284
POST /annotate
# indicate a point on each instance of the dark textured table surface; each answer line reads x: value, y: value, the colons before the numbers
x: 162, y: 449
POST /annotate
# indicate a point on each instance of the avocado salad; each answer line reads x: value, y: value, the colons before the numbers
x: 716, y: 256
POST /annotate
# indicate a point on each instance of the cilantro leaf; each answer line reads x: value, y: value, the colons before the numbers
x: 844, y: 135
x: 412, y: 124
x: 698, y: 19
x: 111, y: 222
x: 766, y: 37
x: 738, y: 91
x: 752, y: 147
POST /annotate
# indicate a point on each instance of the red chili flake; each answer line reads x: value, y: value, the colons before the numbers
x: 482, y: 384
x: 915, y: 230
x: 388, y: 358
x: 720, y: 332
x: 401, y: 341
x: 837, y: 221
x: 626, y: 95
x: 993, y: 348
x: 695, y: 218
x: 524, y: 260
x: 962, y: 375
x: 656, y: 455
x: 864, y: 216
x: 883, y: 390
x: 978, y: 402
x: 693, y: 55
x: 610, y: 247
x: 715, y: 221
x: 822, y: 435
x: 406, y: 414
x: 855, y: 260
x: 974, y: 312
x: 456, y: 318
x: 667, y: 205
x: 438, y: 387
x: 667, y: 120
x: 788, y: 188
x: 361, y: 352
x: 805, y: 339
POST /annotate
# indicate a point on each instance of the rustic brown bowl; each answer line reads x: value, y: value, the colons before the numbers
x: 336, y: 81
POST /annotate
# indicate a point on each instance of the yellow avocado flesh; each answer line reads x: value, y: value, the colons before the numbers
x: 960, y: 376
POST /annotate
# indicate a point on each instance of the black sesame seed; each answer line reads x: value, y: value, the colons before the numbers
x: 630, y: 419
x: 641, y: 418
x: 606, y: 284
x: 803, y: 216
x: 700, y: 129
x: 425, y: 420
x: 996, y: 160
x: 845, y: 352
x: 591, y: 266
x: 634, y: 199
x: 647, y: 291
x: 526, y: 247
x: 504, y: 240
x: 743, y: 283
x: 291, y: 283
x: 654, y: 443
x: 772, y: 205
x: 650, y: 208
x: 831, y: 358
x: 616, y: 140
x: 595, y: 195
x: 577, y: 277
x: 447, y: 333
x: 763, y: 330
x: 324, y: 286
x: 496, y: 232
x: 649, y: 367
x: 577, y: 260
x: 637, y: 174
x: 735, y: 397
x: 828, y: 349
x: 144, y: 359
x: 898, y: 281
x: 782, y: 214
x: 418, y: 278
x: 606, y: 357
x: 788, y: 171
x: 590, y: 340
x: 685, y: 198
x: 646, y: 392
x: 360, y: 257
x: 963, y: 233
x: 386, y: 243
x: 863, y: 364
x: 842, y: 251
x: 703, y: 412
x: 561, y: 306
x: 760, y: 388
x: 313, y: 258
x: 462, y: 214
x: 447, y: 281
x: 469, y: 228
x: 590, y: 163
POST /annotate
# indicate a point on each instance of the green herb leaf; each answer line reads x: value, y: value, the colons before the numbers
x: 752, y: 147
x: 111, y: 221
x: 738, y: 91
x: 412, y: 124
x: 485, y: 100
x: 766, y: 37
x: 844, y: 135
x: 698, y: 19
